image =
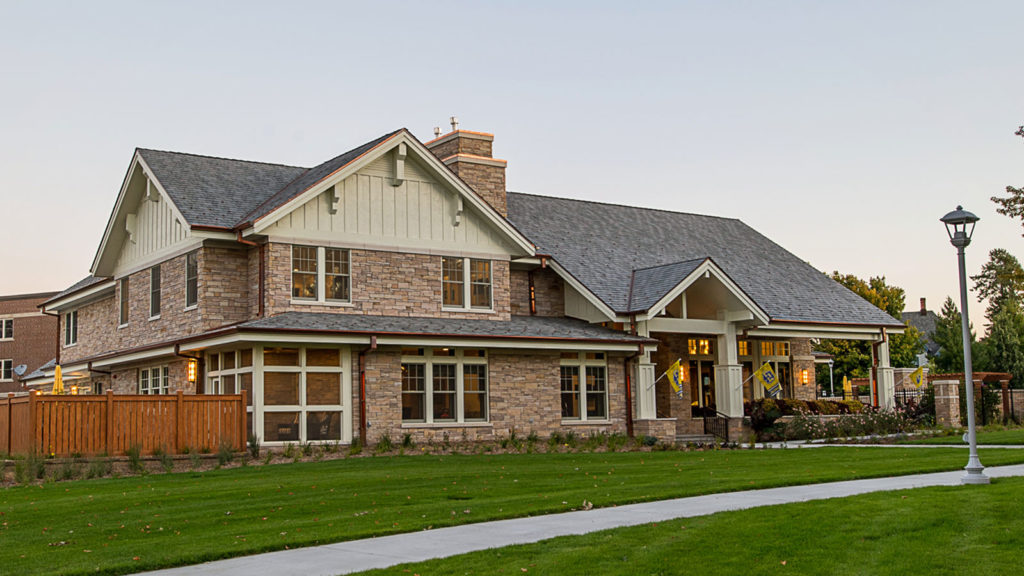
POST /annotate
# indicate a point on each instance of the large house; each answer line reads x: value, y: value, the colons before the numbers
x: 399, y: 289
x: 27, y: 337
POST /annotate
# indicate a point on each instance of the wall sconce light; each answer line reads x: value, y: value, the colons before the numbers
x: 190, y: 371
x: 804, y: 377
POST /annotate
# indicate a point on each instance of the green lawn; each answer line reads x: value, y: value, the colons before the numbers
x: 962, y: 530
x: 130, y: 524
x: 1014, y: 436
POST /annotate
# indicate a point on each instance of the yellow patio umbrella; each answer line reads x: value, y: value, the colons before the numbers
x: 58, y: 381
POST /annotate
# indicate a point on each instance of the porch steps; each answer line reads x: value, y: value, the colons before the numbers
x: 695, y: 439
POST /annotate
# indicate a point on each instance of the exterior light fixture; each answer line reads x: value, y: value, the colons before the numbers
x: 960, y: 227
x: 804, y: 377
x: 191, y: 371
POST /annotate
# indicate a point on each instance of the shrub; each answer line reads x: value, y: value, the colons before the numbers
x: 254, y: 445
x: 356, y: 446
x: 555, y: 440
x: 306, y: 448
x: 289, y: 450
x: 99, y: 468
x: 384, y: 444
x: 135, y: 459
x: 852, y: 406
x: 763, y: 414
x: 225, y: 454
x: 648, y: 440
x: 407, y: 441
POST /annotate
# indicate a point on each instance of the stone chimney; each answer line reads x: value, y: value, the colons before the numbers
x: 469, y: 155
x: 924, y: 309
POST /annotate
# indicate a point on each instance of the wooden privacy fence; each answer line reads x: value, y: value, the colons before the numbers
x: 113, y: 423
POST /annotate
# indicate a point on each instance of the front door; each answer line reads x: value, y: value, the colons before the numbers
x: 702, y: 387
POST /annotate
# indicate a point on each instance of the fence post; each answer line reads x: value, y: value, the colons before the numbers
x: 1004, y: 386
x: 33, y: 439
x: 110, y: 422
x: 245, y: 415
x: 179, y: 421
x: 10, y: 426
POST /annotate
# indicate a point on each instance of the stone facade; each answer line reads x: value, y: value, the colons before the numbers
x: 470, y: 156
x: 947, y: 402
x: 523, y: 396
x: 549, y: 292
x: 802, y: 359
x: 384, y: 284
x: 35, y: 335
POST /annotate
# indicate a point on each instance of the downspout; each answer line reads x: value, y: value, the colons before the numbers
x: 262, y: 273
x: 629, y: 389
x: 362, y: 389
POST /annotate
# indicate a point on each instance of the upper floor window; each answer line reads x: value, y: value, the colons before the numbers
x: 71, y: 328
x: 321, y: 274
x: 122, y: 318
x: 154, y: 380
x: 774, y: 348
x: 456, y: 291
x: 700, y: 347
x: 154, y: 291
x: 6, y: 370
x: 743, y: 347
x: 584, y: 386
x: 7, y: 329
x: 191, y: 279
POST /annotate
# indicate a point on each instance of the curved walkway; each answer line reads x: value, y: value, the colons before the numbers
x: 358, y: 555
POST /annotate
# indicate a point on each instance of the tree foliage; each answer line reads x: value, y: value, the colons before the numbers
x: 949, y: 335
x: 853, y: 357
x: 1001, y: 281
x: 1002, y: 350
x: 1013, y: 204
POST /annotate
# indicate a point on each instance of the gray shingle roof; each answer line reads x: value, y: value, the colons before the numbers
x: 525, y: 327
x: 312, y: 176
x: 926, y: 324
x: 651, y: 284
x: 80, y: 285
x: 38, y: 372
x: 217, y: 191
x: 601, y: 245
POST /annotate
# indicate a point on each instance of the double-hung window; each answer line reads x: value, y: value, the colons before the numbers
x: 6, y: 370
x: 584, y: 386
x: 321, y: 274
x: 122, y: 304
x: 154, y: 292
x: 457, y: 292
x: 7, y: 329
x: 71, y: 328
x: 442, y: 385
x: 191, y: 279
x: 154, y: 380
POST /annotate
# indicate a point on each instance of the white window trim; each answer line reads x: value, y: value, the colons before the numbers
x: 165, y: 374
x: 121, y: 285
x: 160, y: 291
x: 467, y: 287
x: 3, y: 329
x: 321, y: 279
x: 188, y: 306
x: 344, y: 409
x: 10, y: 368
x: 582, y: 363
x: 71, y: 335
x: 460, y: 361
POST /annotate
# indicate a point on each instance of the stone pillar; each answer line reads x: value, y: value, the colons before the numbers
x: 947, y: 402
x: 886, y: 381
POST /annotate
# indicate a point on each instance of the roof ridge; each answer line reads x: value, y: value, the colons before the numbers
x: 700, y: 258
x: 140, y: 149
x: 646, y: 208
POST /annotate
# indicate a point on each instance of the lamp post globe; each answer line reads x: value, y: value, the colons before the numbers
x: 960, y: 227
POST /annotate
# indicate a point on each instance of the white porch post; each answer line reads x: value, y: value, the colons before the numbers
x: 886, y: 378
x: 729, y: 375
x: 646, y: 405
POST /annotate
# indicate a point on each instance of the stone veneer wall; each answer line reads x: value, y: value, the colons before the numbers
x: 802, y: 358
x: 488, y: 181
x: 523, y: 395
x: 224, y: 286
x: 385, y: 284
x: 549, y: 292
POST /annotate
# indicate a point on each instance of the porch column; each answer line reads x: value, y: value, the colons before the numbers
x: 886, y: 379
x: 728, y: 374
x: 646, y: 396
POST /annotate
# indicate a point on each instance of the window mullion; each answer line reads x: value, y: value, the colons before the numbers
x: 459, y: 388
x: 428, y: 389
x: 467, y: 284
x: 321, y: 283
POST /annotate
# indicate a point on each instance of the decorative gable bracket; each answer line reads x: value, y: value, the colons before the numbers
x: 151, y: 193
x: 131, y: 226
x: 331, y: 196
x: 400, y: 153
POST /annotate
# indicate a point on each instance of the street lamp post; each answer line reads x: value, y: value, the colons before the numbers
x: 960, y: 226
x: 831, y: 382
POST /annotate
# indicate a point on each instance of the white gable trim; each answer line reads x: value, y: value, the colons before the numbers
x: 708, y: 267
x: 584, y: 291
x: 425, y: 156
x: 114, y: 232
x: 97, y: 291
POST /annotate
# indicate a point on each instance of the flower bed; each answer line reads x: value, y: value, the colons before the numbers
x: 812, y: 419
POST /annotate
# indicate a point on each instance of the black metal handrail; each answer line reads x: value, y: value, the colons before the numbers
x: 717, y: 425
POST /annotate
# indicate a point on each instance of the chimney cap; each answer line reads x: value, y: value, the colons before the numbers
x: 455, y: 123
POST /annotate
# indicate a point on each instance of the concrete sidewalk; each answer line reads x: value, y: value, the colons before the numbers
x: 358, y: 555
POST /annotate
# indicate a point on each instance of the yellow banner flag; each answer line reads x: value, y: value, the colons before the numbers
x: 675, y: 377
x: 769, y: 379
x: 58, y: 381
x: 847, y: 387
x: 917, y: 377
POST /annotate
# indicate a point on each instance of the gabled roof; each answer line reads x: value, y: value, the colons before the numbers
x: 213, y: 191
x: 602, y: 244
x: 83, y: 284
x: 651, y: 284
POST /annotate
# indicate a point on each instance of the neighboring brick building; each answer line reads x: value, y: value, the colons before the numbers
x: 27, y: 337
x: 399, y: 289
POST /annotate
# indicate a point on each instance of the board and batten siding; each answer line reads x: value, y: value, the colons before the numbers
x: 158, y: 232
x: 418, y: 214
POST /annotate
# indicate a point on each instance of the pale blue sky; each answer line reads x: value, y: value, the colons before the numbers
x: 842, y: 131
